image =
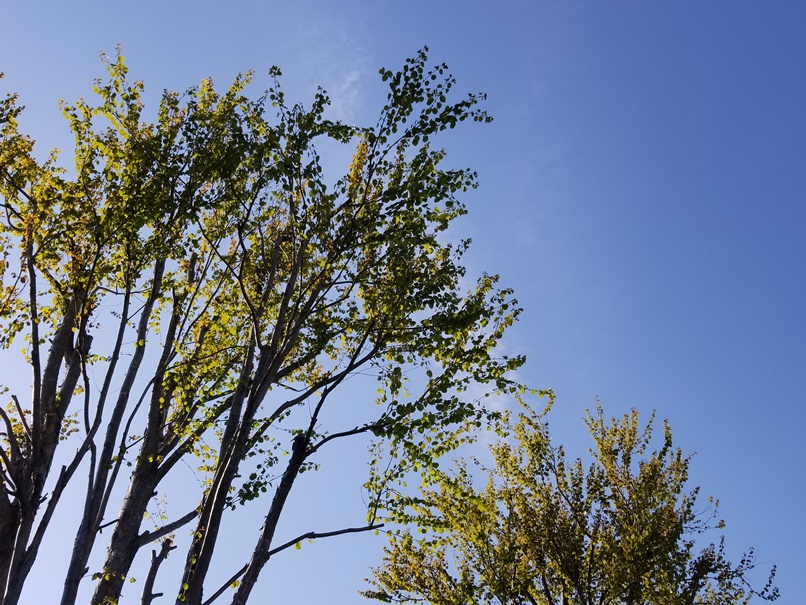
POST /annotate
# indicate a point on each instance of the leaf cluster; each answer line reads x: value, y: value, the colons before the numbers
x: 548, y: 531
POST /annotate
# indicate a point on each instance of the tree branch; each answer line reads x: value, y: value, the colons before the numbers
x: 156, y: 561
x: 150, y: 536
x: 22, y: 417
x: 15, y: 451
x: 307, y: 536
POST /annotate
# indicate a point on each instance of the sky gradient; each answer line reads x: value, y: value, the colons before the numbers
x: 642, y: 189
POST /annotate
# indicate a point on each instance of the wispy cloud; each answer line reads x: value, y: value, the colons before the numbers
x: 346, y: 96
x: 335, y: 60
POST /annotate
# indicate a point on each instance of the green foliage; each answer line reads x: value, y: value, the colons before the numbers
x: 545, y: 530
x: 202, y: 289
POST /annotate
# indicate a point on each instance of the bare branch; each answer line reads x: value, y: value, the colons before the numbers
x: 356, y: 431
x: 109, y: 523
x: 167, y: 529
x: 156, y: 561
x: 307, y: 536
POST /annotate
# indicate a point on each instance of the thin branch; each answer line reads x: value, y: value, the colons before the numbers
x: 10, y: 179
x: 6, y: 476
x: 328, y: 534
x: 22, y: 417
x: 236, y: 275
x: 55, y: 496
x: 12, y: 438
x: 356, y: 431
x: 308, y: 536
x: 179, y: 450
x: 150, y: 536
x: 36, y: 363
x: 92, y: 428
x: 328, y: 384
x: 102, y: 525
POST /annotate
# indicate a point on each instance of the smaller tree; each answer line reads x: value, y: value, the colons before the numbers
x: 545, y: 531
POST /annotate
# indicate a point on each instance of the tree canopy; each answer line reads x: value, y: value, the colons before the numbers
x: 195, y: 287
x: 548, y: 531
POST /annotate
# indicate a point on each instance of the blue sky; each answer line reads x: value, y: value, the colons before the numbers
x: 642, y: 188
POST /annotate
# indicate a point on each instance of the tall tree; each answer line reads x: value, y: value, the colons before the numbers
x: 546, y: 531
x: 195, y: 287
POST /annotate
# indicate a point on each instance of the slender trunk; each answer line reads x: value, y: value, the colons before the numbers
x: 9, y: 520
x: 201, y: 553
x: 299, y: 452
x: 206, y: 534
x: 17, y: 570
x: 94, y: 506
x: 82, y: 546
x: 52, y: 401
x: 260, y: 554
x: 233, y: 446
x: 125, y: 543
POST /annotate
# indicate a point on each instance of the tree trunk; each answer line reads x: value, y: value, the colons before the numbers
x: 9, y: 519
x: 125, y: 541
x: 260, y: 555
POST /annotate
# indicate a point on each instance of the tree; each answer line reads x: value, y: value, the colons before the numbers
x: 195, y: 287
x: 549, y: 532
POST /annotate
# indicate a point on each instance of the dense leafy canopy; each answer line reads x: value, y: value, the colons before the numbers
x: 551, y: 532
x: 194, y: 286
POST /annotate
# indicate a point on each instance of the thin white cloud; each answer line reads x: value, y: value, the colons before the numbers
x: 345, y: 97
x: 334, y: 59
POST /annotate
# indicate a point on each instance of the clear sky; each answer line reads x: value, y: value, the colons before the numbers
x: 643, y: 188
